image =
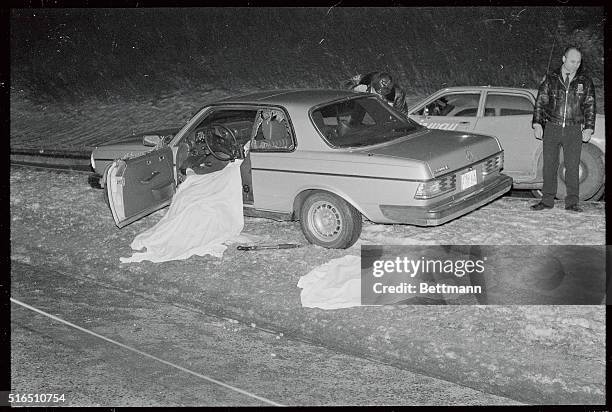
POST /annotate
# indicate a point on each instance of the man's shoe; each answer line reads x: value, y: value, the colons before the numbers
x: 540, y: 206
x: 574, y: 208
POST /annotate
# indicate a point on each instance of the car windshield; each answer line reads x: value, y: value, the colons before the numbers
x: 362, y: 121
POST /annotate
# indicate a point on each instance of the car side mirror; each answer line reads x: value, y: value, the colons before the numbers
x: 151, y: 140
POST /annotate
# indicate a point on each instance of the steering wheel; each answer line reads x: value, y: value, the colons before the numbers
x: 222, y: 146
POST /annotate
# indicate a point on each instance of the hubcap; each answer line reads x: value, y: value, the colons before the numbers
x: 325, y: 221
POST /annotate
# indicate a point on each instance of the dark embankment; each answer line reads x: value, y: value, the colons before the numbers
x: 71, y: 54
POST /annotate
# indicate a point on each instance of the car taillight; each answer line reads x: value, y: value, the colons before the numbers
x: 493, y: 164
x: 93, y: 162
x: 436, y: 187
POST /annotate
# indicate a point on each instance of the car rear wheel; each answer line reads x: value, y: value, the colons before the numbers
x: 591, y: 175
x: 329, y: 221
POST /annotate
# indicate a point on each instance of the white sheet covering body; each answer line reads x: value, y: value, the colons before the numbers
x: 205, y: 213
x: 333, y: 285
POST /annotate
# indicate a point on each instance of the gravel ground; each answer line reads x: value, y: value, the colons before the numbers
x: 532, y: 354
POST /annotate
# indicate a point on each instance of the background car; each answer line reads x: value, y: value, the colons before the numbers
x: 506, y: 113
x: 325, y: 157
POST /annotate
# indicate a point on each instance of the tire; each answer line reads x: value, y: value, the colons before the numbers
x: 329, y: 221
x: 592, y: 175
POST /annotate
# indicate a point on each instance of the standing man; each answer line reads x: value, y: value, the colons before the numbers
x: 380, y: 83
x: 564, y: 116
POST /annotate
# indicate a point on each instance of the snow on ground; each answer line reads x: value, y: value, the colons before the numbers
x: 534, y: 354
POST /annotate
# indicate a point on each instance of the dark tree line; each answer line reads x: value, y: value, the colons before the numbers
x: 68, y: 53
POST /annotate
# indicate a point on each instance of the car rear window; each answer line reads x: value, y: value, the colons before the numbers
x: 362, y: 121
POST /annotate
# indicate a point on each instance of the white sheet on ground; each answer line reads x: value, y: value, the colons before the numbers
x: 205, y: 214
x: 333, y: 285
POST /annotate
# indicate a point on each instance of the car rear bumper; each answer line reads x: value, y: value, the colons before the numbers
x: 450, y: 208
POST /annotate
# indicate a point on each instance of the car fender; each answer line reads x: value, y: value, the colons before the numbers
x: 103, y: 178
x: 599, y: 136
x: 539, y: 163
x: 303, y: 193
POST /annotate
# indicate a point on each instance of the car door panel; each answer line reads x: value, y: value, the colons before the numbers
x: 516, y: 137
x: 508, y: 116
x: 139, y: 186
x: 451, y: 111
x: 247, y: 180
x: 275, y: 175
x: 448, y: 123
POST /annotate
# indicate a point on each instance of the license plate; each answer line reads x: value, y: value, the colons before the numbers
x: 468, y: 179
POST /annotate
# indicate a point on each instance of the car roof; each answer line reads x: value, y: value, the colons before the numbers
x: 489, y: 88
x: 301, y: 97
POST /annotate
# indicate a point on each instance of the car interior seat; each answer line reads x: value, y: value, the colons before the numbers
x: 276, y: 133
x: 317, y: 118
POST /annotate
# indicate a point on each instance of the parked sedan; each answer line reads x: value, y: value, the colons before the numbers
x: 506, y: 113
x: 325, y: 157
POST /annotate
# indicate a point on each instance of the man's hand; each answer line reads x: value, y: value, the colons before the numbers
x: 586, y: 135
x: 537, y: 131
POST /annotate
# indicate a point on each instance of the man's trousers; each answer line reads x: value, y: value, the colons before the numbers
x: 570, y: 138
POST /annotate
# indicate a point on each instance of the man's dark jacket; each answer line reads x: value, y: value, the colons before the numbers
x: 577, y: 101
x: 397, y: 95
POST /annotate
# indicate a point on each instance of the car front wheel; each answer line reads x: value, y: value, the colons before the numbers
x: 329, y: 221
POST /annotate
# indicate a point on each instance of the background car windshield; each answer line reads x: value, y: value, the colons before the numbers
x: 361, y: 121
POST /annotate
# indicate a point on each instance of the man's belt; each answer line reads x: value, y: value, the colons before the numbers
x: 568, y: 122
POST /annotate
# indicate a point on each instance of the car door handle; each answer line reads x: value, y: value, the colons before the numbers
x: 148, y: 179
x: 464, y: 122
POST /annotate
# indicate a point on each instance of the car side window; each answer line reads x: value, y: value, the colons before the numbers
x: 471, y: 112
x: 348, y: 112
x: 452, y: 105
x: 271, y: 132
x: 508, y: 105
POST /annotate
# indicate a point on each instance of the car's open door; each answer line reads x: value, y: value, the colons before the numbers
x: 139, y: 186
x: 508, y: 116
